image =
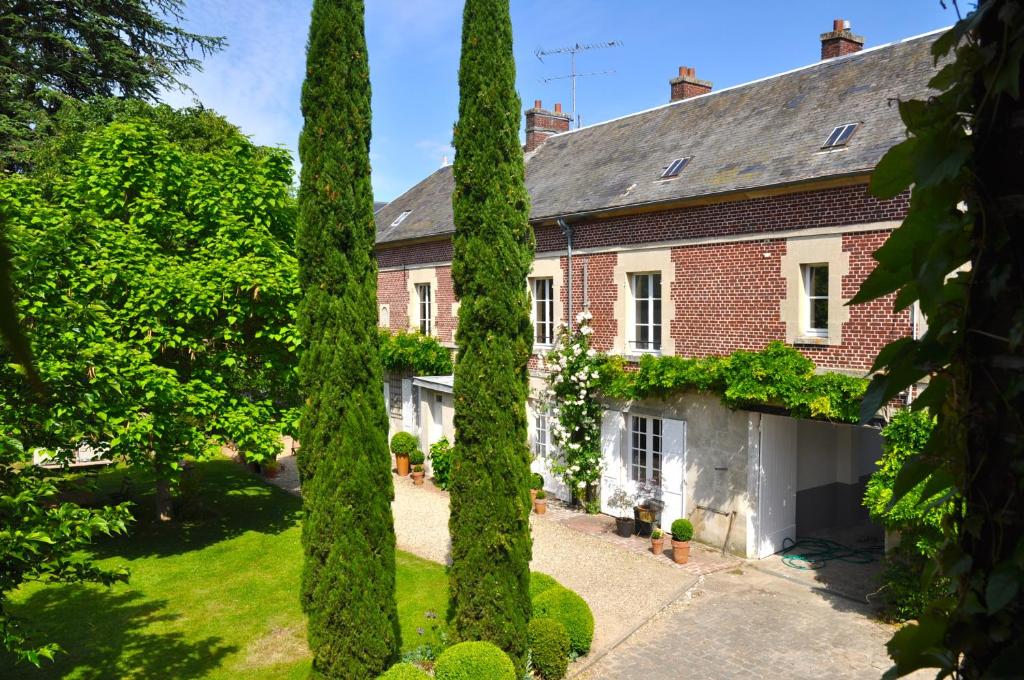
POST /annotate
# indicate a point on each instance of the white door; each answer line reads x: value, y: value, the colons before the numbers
x: 777, y: 484
x: 436, y: 424
x: 611, y: 458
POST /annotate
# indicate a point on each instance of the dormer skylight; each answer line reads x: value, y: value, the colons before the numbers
x: 675, y: 167
x: 840, y: 136
x: 398, y: 220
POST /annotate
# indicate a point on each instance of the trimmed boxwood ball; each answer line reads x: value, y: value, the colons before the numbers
x: 682, y: 529
x: 474, y: 661
x: 569, y: 609
x: 403, y: 444
x: 404, y: 671
x: 541, y: 582
x: 537, y: 481
x: 416, y: 457
x: 549, y: 648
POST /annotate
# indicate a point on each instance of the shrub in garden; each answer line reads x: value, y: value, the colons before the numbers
x: 569, y: 609
x: 492, y: 252
x: 403, y: 444
x: 540, y: 582
x: 348, y: 577
x: 404, y: 671
x: 441, y: 462
x: 682, y: 529
x: 537, y: 481
x: 549, y: 648
x: 416, y: 457
x: 474, y: 661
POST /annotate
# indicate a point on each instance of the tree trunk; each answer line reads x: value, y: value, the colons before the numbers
x: 163, y: 499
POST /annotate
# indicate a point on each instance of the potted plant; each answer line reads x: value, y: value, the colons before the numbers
x: 416, y: 458
x: 536, y: 484
x: 623, y: 502
x: 402, y: 444
x: 271, y: 469
x: 540, y: 503
x: 657, y: 541
x: 682, y: 532
x: 648, y: 511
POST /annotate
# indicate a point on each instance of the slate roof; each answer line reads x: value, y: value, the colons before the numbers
x: 761, y: 134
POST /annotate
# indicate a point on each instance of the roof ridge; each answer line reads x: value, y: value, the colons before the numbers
x: 712, y: 93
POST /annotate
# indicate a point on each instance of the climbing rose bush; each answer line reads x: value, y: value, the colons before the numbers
x: 576, y: 413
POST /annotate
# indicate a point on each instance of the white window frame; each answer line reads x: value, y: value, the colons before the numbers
x: 646, y: 451
x: 650, y: 346
x: 541, y: 434
x: 807, y: 274
x: 426, y: 308
x: 543, y: 329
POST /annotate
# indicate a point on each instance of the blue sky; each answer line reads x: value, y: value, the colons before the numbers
x: 414, y: 56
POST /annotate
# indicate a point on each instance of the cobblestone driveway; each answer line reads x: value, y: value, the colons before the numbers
x: 746, y: 624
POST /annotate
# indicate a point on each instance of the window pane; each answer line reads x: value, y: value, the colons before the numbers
x: 655, y: 285
x: 656, y: 340
x: 819, y: 281
x: 819, y: 313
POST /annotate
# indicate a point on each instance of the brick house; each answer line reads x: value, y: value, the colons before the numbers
x: 721, y: 220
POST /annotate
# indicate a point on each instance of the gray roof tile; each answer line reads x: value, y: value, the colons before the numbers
x: 765, y: 133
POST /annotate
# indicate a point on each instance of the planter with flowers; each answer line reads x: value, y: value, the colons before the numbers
x: 622, y: 502
x: 682, y: 532
x: 540, y: 503
x: 657, y: 542
x: 416, y: 458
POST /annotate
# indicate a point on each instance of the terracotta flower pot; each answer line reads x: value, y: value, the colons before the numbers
x: 540, y: 505
x: 658, y: 546
x: 417, y: 478
x: 402, y: 463
x: 680, y: 551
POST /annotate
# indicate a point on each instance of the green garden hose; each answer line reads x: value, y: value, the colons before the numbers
x: 815, y: 553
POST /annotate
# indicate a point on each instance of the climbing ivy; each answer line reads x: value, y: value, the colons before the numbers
x: 421, y: 354
x: 960, y: 254
x: 778, y: 376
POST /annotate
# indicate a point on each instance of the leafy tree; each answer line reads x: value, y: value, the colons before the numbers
x: 41, y: 539
x: 158, y: 286
x: 960, y: 253
x: 348, y: 580
x: 493, y: 250
x: 52, y: 51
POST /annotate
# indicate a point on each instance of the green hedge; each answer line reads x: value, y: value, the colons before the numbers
x: 569, y: 609
x: 549, y: 648
x: 421, y: 354
x: 403, y: 443
x: 778, y: 375
x: 541, y: 582
x: 474, y: 661
x: 404, y: 671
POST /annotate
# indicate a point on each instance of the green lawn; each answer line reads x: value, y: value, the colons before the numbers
x: 214, y: 595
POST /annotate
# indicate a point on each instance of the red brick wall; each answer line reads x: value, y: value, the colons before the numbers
x: 600, y: 295
x: 392, y: 290
x: 443, y: 298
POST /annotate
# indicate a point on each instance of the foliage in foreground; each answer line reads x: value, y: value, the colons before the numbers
x: 41, y: 539
x: 348, y: 537
x: 56, y: 51
x: 572, y: 611
x: 155, y: 276
x: 549, y: 648
x: 474, y: 661
x: 958, y: 254
x: 421, y: 354
x: 493, y: 250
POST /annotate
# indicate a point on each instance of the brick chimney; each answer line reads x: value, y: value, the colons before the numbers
x: 541, y: 124
x: 687, y: 85
x: 840, y: 41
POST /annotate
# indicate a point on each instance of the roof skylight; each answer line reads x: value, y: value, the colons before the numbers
x: 398, y: 220
x: 840, y: 136
x: 675, y: 167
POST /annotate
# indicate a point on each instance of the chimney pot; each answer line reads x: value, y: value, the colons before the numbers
x: 558, y: 107
x: 840, y: 41
x: 687, y: 84
x: 536, y: 104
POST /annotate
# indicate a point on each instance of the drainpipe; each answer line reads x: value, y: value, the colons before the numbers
x: 913, y: 336
x: 568, y: 231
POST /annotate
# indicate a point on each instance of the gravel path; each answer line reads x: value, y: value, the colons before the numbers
x: 623, y: 588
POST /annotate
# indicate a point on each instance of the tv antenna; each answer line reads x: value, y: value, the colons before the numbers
x: 572, y: 51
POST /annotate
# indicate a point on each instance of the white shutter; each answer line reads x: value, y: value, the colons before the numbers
x: 409, y: 409
x: 611, y: 457
x: 673, y: 470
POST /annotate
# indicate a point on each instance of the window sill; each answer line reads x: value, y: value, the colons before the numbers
x: 811, y: 340
x: 636, y: 354
x: 539, y: 348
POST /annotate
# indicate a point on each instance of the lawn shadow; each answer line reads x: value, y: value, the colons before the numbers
x: 218, y: 500
x: 115, y: 642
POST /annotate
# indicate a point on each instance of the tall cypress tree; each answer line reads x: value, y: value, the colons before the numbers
x: 493, y: 249
x: 348, y: 580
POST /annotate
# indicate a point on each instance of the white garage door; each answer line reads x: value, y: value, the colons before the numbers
x: 776, y: 484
